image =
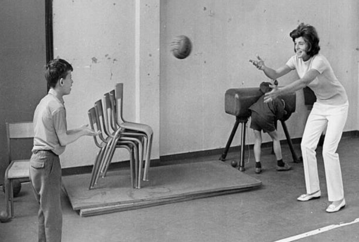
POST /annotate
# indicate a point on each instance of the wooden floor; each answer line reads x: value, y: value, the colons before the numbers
x: 167, y: 184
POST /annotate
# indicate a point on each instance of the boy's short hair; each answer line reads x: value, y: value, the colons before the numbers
x: 55, y: 70
x: 264, y: 87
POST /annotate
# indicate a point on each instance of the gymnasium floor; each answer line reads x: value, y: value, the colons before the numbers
x: 270, y: 213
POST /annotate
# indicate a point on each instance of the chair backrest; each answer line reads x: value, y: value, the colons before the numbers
x: 113, y: 102
x: 101, y: 120
x: 119, y: 101
x: 21, y: 130
x: 94, y: 124
x: 108, y: 113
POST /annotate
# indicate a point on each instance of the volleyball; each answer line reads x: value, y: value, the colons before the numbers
x: 181, y: 47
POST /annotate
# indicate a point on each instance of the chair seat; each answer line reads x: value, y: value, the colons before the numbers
x: 137, y: 126
x: 19, y: 169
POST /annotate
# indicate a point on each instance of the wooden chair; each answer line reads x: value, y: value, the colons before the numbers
x: 17, y: 169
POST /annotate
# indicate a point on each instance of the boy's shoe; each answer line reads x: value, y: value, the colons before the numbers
x: 258, y: 170
x: 286, y: 167
x: 258, y: 167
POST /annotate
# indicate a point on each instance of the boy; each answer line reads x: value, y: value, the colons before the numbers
x: 50, y: 139
x: 264, y: 117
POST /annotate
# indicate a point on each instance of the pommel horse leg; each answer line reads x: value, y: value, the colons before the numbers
x: 224, y: 154
x: 295, y: 157
x: 243, y: 144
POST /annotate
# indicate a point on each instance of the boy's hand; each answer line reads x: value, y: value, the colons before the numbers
x: 89, y: 131
x: 94, y: 133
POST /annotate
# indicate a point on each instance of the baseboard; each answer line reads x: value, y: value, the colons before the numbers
x: 163, y: 160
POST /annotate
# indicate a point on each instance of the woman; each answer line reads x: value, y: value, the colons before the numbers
x: 329, y: 111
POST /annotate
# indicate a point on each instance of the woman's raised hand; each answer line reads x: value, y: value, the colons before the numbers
x: 258, y: 63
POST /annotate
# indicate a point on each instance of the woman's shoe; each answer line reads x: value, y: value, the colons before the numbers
x: 307, y: 197
x: 335, y: 208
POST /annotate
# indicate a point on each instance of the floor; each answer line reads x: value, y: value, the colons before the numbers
x: 270, y: 213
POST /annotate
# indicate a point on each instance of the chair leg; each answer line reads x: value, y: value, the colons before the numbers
x: 148, y: 157
x: 108, y: 160
x: 133, y: 167
x: 109, y: 155
x: 104, y: 160
x: 140, y: 159
x: 9, y: 203
x: 110, y: 150
x: 134, y: 141
x: 132, y: 149
x: 142, y: 140
x: 96, y: 167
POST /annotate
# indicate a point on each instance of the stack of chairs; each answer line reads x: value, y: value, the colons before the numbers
x: 106, y: 117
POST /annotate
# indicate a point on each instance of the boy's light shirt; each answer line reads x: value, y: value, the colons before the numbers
x: 49, y: 120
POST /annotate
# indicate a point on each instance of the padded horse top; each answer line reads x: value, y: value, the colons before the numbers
x: 238, y: 101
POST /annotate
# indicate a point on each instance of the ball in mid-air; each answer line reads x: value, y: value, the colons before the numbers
x: 181, y: 47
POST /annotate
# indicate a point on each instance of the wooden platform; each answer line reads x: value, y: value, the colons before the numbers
x: 168, y: 184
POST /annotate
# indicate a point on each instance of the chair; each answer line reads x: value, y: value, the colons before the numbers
x: 103, y: 145
x: 17, y: 169
x: 115, y: 124
x: 131, y: 126
x: 107, y: 147
x: 111, y: 130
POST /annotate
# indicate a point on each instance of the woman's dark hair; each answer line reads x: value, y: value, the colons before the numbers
x: 55, y: 70
x: 310, y: 35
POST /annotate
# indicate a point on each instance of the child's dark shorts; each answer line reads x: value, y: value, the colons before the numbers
x: 259, y: 123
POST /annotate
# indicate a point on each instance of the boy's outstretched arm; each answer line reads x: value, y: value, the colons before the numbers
x: 71, y: 136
